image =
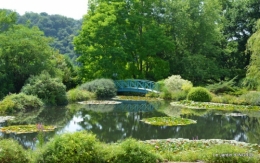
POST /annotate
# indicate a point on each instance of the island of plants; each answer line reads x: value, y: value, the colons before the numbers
x: 92, y: 102
x: 211, y: 105
x: 20, y: 129
x: 168, y: 121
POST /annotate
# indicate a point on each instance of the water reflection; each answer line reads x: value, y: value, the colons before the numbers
x: 111, y: 123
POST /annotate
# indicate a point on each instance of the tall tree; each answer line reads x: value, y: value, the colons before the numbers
x: 23, y: 52
x: 59, y: 27
x: 240, y: 17
x: 253, y: 47
x: 123, y: 38
x: 195, y: 26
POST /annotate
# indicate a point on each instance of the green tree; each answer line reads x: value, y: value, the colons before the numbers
x: 23, y: 52
x: 123, y: 38
x: 239, y: 25
x: 61, y: 28
x: 253, y: 47
x: 7, y: 19
x: 195, y: 27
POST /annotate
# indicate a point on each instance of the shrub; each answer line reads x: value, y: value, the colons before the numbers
x: 250, y: 98
x: 133, y: 151
x: 12, y: 152
x: 250, y: 83
x: 103, y: 88
x: 179, y: 95
x: 76, y: 94
x: 176, y: 83
x: 152, y: 94
x: 199, y: 94
x: 222, y: 87
x: 50, y: 90
x: 166, y: 94
x: 71, y: 147
x: 20, y: 102
x: 161, y: 85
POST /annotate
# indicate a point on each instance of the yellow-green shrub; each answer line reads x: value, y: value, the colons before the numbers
x: 71, y: 147
x: 133, y: 151
x: 12, y: 152
x: 199, y: 94
x: 19, y: 102
x: 76, y: 94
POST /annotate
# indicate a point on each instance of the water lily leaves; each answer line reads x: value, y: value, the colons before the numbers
x: 168, y: 121
x: 20, y: 129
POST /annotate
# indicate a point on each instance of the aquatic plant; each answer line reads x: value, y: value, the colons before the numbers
x: 210, y: 105
x: 19, y: 129
x: 40, y: 136
x: 168, y: 121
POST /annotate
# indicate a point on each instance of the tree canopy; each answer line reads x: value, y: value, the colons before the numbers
x: 59, y: 27
x: 26, y: 51
x: 154, y: 39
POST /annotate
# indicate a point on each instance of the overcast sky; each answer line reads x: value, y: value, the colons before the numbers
x: 69, y: 8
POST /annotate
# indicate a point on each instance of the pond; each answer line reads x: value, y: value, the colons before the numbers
x: 113, y: 122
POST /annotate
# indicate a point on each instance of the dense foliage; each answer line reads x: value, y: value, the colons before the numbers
x: 19, y: 102
x: 133, y: 152
x: 84, y: 147
x: 77, y: 94
x: 24, y: 51
x: 199, y: 94
x: 12, y: 152
x: 68, y: 148
x: 103, y: 88
x: 59, y: 27
x: 175, y: 83
x: 204, y: 41
x: 50, y: 90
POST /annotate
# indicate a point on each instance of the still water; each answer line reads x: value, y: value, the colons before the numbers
x: 111, y: 123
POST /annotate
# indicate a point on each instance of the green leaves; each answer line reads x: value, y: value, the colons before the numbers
x: 20, y: 129
x: 126, y: 36
x: 168, y: 121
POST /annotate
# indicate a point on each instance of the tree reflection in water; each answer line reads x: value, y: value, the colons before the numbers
x: 111, y: 123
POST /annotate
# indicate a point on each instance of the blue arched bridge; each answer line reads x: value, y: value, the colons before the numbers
x: 136, y: 85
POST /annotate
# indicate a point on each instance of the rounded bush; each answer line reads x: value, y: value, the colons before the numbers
x: 12, y: 152
x: 71, y: 147
x: 176, y: 83
x: 76, y: 94
x: 103, y: 88
x: 199, y: 94
x: 132, y: 151
x: 50, y: 90
x: 20, y: 102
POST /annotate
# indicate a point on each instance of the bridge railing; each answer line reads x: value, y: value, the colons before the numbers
x: 145, y: 85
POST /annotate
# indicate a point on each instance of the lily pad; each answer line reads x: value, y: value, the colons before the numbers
x: 99, y: 102
x: 168, y: 121
x: 20, y: 129
x: 211, y: 105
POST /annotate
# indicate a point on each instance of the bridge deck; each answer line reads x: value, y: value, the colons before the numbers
x: 136, y: 85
